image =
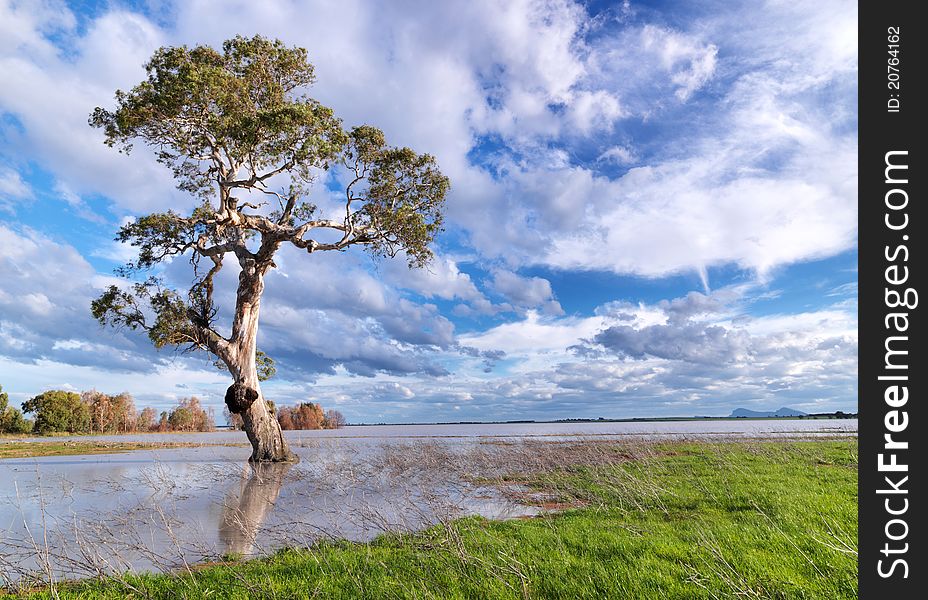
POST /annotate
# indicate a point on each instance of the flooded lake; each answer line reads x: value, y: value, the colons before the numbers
x: 647, y: 429
x: 78, y: 516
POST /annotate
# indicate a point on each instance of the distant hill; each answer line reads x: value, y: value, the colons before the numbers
x: 783, y: 412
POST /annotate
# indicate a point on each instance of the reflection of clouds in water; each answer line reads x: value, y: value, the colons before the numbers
x: 244, y: 512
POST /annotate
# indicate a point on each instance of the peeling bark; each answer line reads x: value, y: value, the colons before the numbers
x: 244, y: 396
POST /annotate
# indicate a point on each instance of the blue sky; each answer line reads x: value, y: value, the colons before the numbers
x: 653, y: 207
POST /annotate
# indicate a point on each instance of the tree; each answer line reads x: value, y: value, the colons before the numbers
x: 110, y: 414
x: 181, y: 419
x: 334, y: 419
x: 58, y: 410
x: 11, y: 418
x: 237, y: 132
x: 233, y: 420
x: 99, y: 405
x: 189, y: 415
x: 146, y: 419
x: 307, y: 415
x: 124, y: 415
x: 285, y: 418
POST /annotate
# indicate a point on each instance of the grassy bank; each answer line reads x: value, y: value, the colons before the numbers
x: 679, y: 520
x: 25, y: 449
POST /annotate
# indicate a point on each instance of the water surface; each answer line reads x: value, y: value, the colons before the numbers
x: 68, y: 516
x: 648, y: 429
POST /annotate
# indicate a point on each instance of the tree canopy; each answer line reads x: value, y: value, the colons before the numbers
x: 11, y: 418
x: 58, y: 410
x: 239, y: 133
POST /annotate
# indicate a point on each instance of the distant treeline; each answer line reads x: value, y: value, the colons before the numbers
x: 60, y: 411
x: 306, y: 415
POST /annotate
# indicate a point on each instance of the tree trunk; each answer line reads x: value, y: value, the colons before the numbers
x: 263, y: 430
x: 244, y: 397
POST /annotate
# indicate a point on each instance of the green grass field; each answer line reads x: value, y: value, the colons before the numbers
x: 769, y: 519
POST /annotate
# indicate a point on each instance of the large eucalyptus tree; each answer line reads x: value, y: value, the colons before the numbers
x: 239, y: 134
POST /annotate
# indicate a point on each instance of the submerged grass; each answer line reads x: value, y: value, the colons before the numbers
x: 682, y: 520
x: 26, y: 449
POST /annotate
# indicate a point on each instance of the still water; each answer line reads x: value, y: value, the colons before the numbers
x: 160, y: 509
x: 648, y: 429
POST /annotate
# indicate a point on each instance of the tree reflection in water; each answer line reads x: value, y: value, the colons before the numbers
x: 245, y: 512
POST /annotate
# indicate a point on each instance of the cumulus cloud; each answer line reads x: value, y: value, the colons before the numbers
x: 529, y: 73
x: 50, y: 127
x: 442, y: 279
x: 393, y: 388
x: 325, y: 311
x: 689, y: 63
x: 710, y: 344
x: 714, y: 195
x: 694, y: 304
x: 12, y: 188
x: 664, y: 363
x: 526, y: 292
x: 619, y: 143
x: 489, y: 357
x: 45, y: 308
x: 702, y: 214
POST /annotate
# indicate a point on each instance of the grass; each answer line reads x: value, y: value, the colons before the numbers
x: 688, y: 520
x: 23, y: 449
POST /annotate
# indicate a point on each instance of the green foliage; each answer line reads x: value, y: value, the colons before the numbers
x: 181, y: 419
x: 157, y: 236
x: 58, y: 410
x: 11, y: 418
x: 242, y: 102
x: 189, y: 415
x: 404, y: 196
x: 266, y: 366
x: 173, y: 322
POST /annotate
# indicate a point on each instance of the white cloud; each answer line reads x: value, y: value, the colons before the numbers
x: 51, y: 96
x: 45, y: 299
x: 393, y: 388
x: 509, y: 65
x: 25, y: 25
x: 526, y: 292
x: 534, y: 334
x: 12, y: 188
x: 620, y: 155
x: 680, y: 356
x: 700, y: 217
x: 689, y: 63
x: 440, y: 279
x: 594, y: 111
